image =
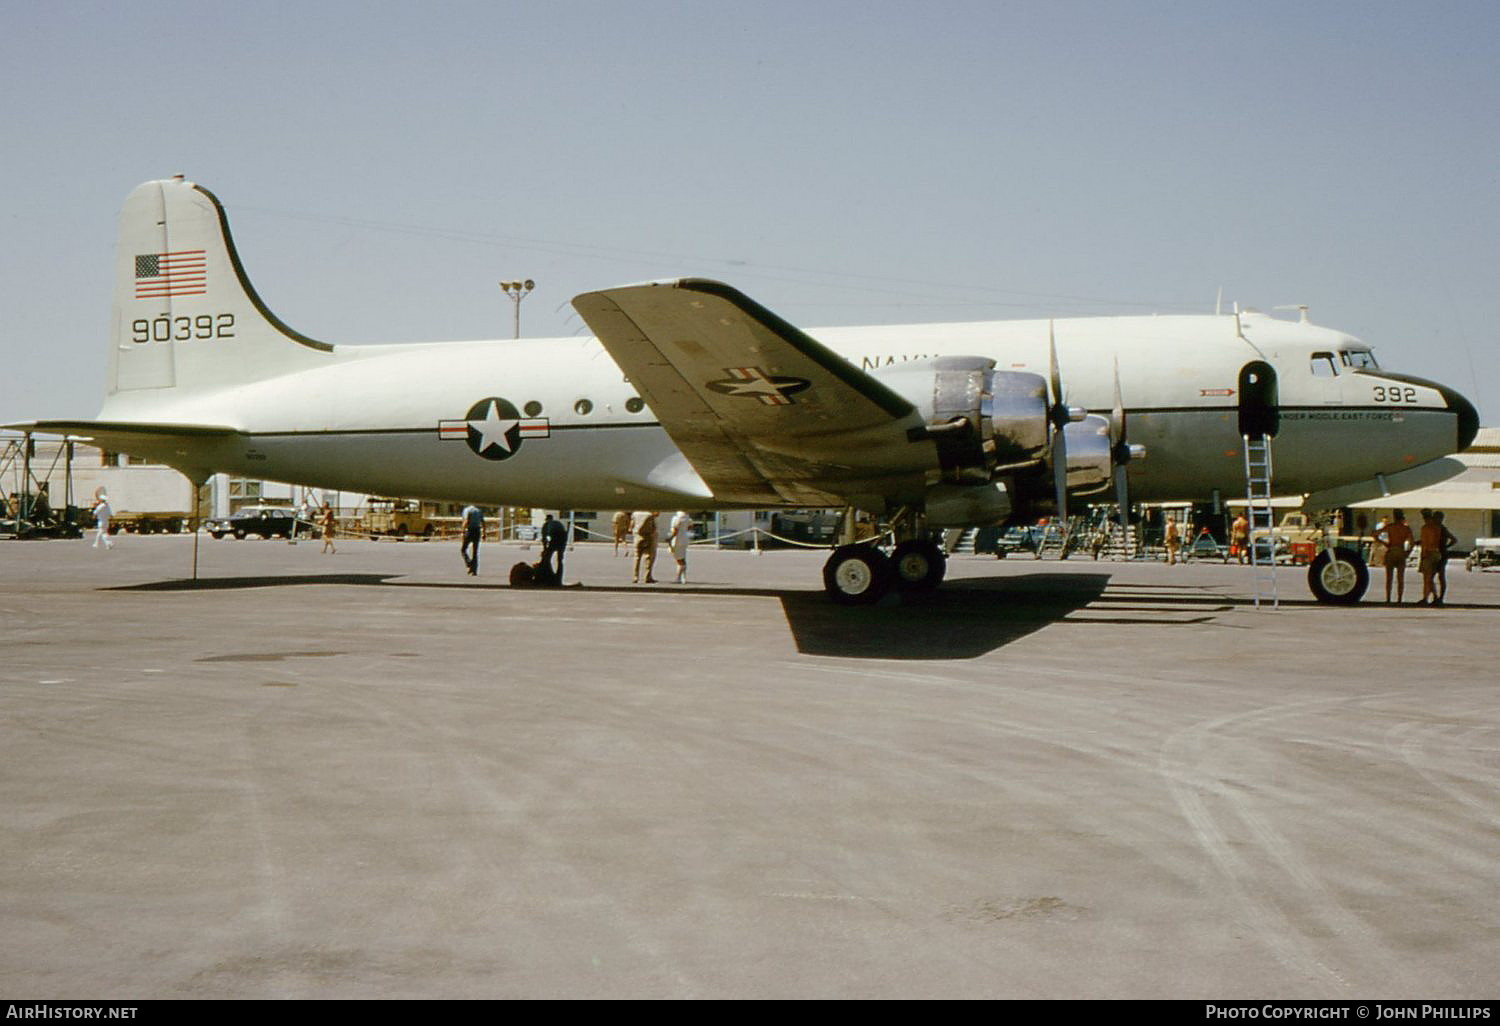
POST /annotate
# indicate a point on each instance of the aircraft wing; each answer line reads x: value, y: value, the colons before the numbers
x: 764, y: 412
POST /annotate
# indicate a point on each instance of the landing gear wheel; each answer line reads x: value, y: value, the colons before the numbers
x: 857, y: 575
x: 919, y: 565
x: 1340, y: 583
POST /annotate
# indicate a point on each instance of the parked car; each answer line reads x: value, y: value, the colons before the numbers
x: 265, y: 521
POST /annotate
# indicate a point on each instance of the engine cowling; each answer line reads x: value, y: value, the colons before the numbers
x: 984, y: 422
x: 1090, y: 458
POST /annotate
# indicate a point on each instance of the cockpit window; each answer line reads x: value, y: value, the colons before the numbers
x: 1324, y: 366
x: 1359, y: 359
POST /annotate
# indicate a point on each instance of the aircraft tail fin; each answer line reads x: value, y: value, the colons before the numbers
x: 185, y: 315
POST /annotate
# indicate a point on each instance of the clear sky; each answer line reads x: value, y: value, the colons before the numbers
x: 384, y: 165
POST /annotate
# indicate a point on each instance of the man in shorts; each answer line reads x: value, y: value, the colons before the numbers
x: 1446, y: 542
x: 1429, y: 541
x: 1397, y: 538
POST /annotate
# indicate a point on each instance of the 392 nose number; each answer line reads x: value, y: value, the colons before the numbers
x: 182, y: 329
x: 1394, y: 394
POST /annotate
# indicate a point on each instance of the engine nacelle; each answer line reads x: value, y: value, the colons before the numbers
x: 983, y: 421
x: 1090, y: 459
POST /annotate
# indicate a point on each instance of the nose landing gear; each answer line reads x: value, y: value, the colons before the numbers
x: 1338, y: 576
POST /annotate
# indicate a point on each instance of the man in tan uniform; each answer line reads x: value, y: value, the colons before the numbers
x: 643, y: 525
x: 620, y: 524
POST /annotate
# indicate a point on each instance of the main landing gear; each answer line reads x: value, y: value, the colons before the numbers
x: 857, y: 575
x: 860, y: 573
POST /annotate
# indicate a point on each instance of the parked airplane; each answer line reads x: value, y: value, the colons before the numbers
x: 722, y: 404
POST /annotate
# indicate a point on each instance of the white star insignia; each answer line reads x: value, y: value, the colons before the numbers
x: 492, y: 430
x: 758, y: 386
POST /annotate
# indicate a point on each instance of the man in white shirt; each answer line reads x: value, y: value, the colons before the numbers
x: 102, y: 513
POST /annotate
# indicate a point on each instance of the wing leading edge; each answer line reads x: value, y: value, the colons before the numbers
x: 764, y: 412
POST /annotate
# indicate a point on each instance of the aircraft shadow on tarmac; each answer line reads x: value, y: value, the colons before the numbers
x: 236, y: 583
x: 965, y: 619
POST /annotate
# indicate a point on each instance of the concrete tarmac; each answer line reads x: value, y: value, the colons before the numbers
x: 369, y: 775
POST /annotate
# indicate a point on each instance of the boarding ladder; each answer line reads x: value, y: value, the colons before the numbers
x: 1059, y: 535
x: 1120, y: 545
x: 1262, y: 522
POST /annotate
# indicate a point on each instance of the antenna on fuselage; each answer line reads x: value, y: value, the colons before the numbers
x: 1219, y: 302
x: 1301, y: 308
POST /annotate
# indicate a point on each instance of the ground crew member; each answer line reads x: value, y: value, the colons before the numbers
x: 554, y: 542
x: 1172, y: 540
x: 643, y: 526
x: 102, y: 513
x: 621, y: 527
x: 1239, y: 537
x: 678, y: 539
x: 328, y: 523
x: 1397, y: 539
x: 468, y: 549
x: 1429, y: 542
x: 1440, y: 575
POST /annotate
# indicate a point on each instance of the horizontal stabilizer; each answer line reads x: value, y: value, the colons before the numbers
x: 189, y: 448
x: 93, y: 429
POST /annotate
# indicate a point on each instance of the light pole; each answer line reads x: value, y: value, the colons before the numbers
x: 517, y: 291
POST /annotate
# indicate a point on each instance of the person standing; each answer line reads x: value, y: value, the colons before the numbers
x: 1172, y: 540
x: 1397, y: 538
x: 468, y: 549
x: 643, y: 526
x: 102, y: 513
x: 678, y: 538
x: 1239, y: 538
x: 620, y: 524
x: 554, y: 543
x: 328, y: 523
x: 302, y: 515
x: 1447, y: 541
x: 1430, y: 543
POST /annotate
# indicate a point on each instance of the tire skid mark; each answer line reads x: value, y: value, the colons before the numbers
x: 1212, y: 801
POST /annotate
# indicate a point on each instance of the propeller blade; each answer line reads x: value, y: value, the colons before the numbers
x: 1060, y: 418
x: 1117, y: 415
x: 1054, y: 374
x: 1060, y: 473
x: 1123, y: 498
x: 1121, y: 451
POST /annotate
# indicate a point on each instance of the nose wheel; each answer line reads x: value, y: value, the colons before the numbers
x: 1338, y: 577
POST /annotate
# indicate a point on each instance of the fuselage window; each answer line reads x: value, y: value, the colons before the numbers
x: 533, y: 409
x: 634, y: 404
x: 1323, y: 366
x: 583, y: 407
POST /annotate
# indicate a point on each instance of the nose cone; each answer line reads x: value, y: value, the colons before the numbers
x: 1468, y: 420
x: 1468, y: 417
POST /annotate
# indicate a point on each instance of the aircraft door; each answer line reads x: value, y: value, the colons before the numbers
x: 1260, y: 413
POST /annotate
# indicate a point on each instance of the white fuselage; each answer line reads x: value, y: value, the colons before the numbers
x: 371, y: 418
